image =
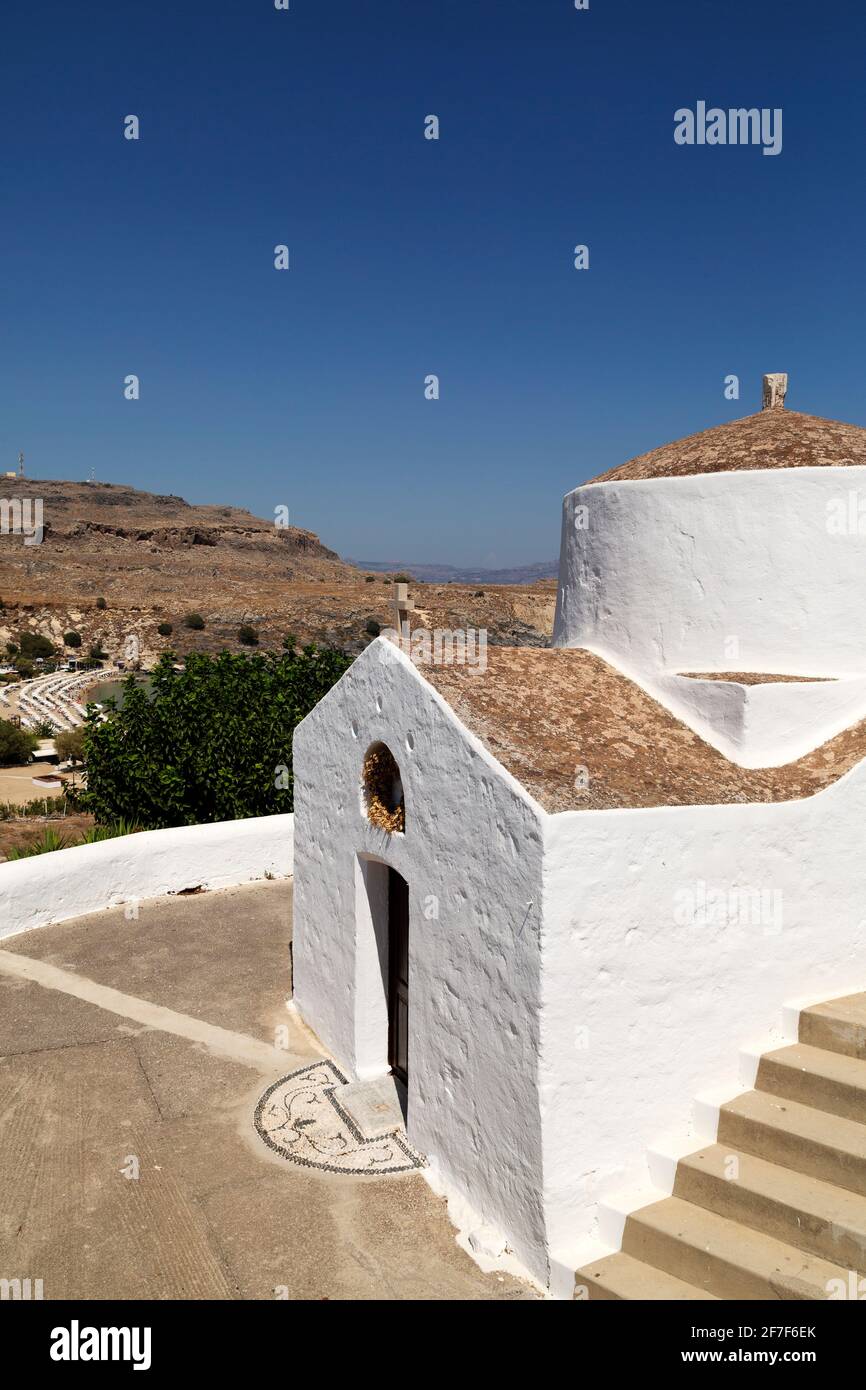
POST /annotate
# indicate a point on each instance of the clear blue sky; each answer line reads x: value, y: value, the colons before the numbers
x: 411, y: 257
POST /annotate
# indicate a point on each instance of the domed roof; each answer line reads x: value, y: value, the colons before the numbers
x: 773, y: 438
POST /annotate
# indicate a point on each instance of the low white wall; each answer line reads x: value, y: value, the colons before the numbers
x: 87, y: 878
x: 645, y: 1003
x: 755, y: 571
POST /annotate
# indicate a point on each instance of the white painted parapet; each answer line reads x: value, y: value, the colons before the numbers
x: 764, y: 725
x: 87, y: 878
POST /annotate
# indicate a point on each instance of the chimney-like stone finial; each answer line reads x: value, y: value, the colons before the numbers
x: 775, y: 391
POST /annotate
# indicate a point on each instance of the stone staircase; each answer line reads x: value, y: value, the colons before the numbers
x: 776, y: 1208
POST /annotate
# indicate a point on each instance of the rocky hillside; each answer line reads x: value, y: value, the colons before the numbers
x: 154, y: 559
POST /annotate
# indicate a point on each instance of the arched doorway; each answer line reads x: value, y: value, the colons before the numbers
x: 398, y: 976
x: 382, y: 974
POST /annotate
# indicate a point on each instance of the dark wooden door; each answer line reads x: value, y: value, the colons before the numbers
x: 398, y: 975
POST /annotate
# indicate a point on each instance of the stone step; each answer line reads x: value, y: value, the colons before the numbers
x: 783, y: 1131
x: 622, y: 1277
x: 723, y: 1257
x: 816, y: 1216
x: 838, y: 1026
x: 828, y: 1081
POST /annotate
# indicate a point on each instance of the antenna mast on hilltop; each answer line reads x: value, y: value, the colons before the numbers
x: 20, y: 465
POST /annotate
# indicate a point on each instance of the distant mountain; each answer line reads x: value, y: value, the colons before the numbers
x: 453, y: 574
x: 116, y: 563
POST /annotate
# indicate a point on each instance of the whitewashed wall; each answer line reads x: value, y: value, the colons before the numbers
x: 666, y: 571
x: 87, y: 878
x: 642, y: 1010
x: 473, y: 846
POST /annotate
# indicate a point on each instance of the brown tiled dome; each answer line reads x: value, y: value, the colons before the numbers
x: 770, y: 439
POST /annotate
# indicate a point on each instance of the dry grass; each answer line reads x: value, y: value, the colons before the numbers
x: 26, y: 830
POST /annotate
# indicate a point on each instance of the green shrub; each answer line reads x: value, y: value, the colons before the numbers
x: 165, y: 629
x: 44, y: 728
x: 100, y: 603
x: 194, y: 621
x: 96, y: 653
x: 72, y: 639
x: 16, y: 744
x: 33, y: 644
x: 204, y: 744
x: 248, y: 635
x: 108, y: 832
x: 373, y: 628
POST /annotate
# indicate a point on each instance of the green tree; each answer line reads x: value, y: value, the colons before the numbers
x: 70, y: 745
x: 16, y: 744
x: 212, y: 742
x: 248, y: 635
x: 33, y: 644
x: 194, y: 621
x: 165, y: 629
x: 72, y: 639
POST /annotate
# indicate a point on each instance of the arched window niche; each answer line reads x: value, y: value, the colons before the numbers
x: 382, y: 790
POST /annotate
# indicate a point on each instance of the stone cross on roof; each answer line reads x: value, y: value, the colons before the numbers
x: 775, y: 391
x: 403, y: 606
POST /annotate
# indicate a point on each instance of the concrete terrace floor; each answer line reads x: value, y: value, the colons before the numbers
x: 89, y: 1078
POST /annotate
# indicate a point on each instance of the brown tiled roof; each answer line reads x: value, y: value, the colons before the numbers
x: 771, y: 439
x: 546, y: 713
x: 754, y: 678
